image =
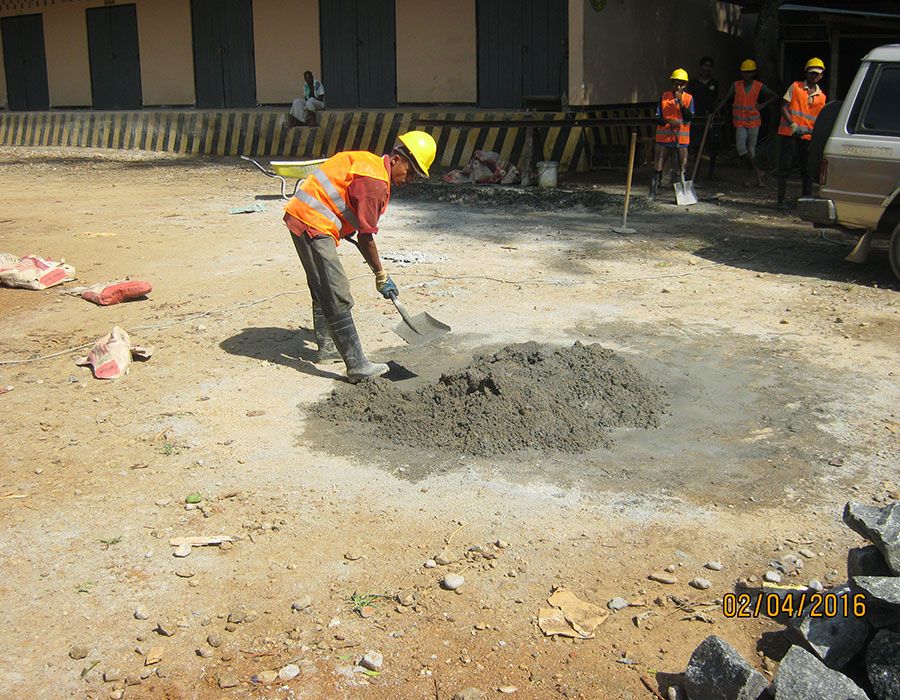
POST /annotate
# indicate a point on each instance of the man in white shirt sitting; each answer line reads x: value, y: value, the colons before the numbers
x: 303, y: 110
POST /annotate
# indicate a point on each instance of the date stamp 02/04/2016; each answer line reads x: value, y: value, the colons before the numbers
x: 772, y: 604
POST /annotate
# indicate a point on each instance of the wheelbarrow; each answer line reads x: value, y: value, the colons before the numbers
x: 282, y: 169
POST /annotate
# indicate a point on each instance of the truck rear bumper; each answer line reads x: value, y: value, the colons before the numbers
x: 817, y: 211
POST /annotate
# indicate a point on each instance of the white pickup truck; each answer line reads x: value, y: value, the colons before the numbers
x: 858, y: 144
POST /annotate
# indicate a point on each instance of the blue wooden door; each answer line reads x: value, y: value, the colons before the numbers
x: 25, y: 62
x: 114, y: 57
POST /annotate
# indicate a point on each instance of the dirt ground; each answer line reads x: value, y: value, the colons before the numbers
x: 779, y: 361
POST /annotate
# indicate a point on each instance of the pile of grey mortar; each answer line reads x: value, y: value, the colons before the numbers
x: 525, y: 396
x: 827, y: 651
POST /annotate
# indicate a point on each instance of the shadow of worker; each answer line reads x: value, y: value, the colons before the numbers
x: 292, y: 348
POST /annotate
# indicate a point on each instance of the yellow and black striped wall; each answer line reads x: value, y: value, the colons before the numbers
x: 266, y: 133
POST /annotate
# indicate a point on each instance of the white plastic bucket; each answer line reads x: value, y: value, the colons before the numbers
x: 547, y: 170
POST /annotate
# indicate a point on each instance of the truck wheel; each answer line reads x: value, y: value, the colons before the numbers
x: 894, y: 251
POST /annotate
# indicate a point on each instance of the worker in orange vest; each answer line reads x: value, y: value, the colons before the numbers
x: 745, y: 96
x: 800, y: 106
x: 348, y: 193
x: 673, y: 127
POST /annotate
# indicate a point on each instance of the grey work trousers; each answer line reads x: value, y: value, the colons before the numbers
x: 325, y: 276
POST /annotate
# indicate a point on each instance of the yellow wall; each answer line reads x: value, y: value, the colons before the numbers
x: 628, y: 50
x: 436, y: 51
x: 167, y: 53
x: 68, y: 66
x: 286, y: 39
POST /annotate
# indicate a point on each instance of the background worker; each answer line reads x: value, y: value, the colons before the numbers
x: 349, y: 192
x: 303, y: 110
x: 800, y: 106
x: 704, y: 88
x: 744, y: 94
x: 673, y: 128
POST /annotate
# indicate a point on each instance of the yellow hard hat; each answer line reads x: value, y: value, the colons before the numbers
x: 748, y: 65
x: 422, y: 148
x: 679, y: 74
x: 815, y: 64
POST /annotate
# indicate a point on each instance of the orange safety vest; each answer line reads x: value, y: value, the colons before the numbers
x: 321, y: 202
x: 743, y: 111
x: 803, y: 110
x: 670, y: 110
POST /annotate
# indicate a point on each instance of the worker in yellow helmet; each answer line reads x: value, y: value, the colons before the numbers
x: 748, y: 97
x: 800, y: 106
x: 347, y: 194
x: 673, y: 127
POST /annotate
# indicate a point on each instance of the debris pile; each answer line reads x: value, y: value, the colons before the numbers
x: 525, y: 396
x: 485, y: 167
x: 555, y: 199
x: 842, y: 638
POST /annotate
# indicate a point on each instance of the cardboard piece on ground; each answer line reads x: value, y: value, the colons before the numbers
x: 570, y: 617
x: 552, y: 622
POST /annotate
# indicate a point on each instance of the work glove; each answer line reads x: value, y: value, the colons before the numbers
x: 385, y: 285
x: 794, y: 128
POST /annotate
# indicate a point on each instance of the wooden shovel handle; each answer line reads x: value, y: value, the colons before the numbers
x: 630, y: 168
x: 702, y: 144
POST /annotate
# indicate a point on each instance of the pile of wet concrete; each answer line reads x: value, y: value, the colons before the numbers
x: 525, y: 396
x: 846, y: 644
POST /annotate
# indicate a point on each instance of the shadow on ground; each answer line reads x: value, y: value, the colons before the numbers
x: 294, y: 349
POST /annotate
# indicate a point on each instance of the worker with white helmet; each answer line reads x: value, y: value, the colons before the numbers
x: 349, y: 193
x: 748, y: 97
x: 800, y: 106
x: 673, y: 127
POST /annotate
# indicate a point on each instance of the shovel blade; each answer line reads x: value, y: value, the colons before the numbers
x: 421, y: 328
x: 684, y: 193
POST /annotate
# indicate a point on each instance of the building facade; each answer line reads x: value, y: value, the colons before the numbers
x: 370, y: 54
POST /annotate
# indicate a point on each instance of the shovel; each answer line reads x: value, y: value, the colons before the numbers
x: 418, y: 329
x: 684, y: 192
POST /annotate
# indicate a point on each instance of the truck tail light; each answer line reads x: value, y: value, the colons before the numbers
x: 824, y: 174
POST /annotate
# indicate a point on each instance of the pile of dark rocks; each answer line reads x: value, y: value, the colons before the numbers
x: 845, y: 645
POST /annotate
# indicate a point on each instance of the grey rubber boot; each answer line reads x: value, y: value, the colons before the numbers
x: 327, y: 350
x: 348, y: 344
x: 654, y: 185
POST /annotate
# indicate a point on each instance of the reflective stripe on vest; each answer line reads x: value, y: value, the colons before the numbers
x: 743, y: 111
x: 339, y: 203
x: 321, y: 201
x: 670, y: 110
x: 803, y: 114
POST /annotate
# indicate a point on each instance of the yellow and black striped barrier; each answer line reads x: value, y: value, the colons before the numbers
x: 267, y: 133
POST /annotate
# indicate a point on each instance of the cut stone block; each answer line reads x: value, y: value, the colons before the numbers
x: 835, y: 640
x: 879, y: 525
x: 883, y: 665
x: 801, y: 676
x: 717, y: 671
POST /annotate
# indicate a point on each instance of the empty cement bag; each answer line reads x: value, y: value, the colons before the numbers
x: 109, y: 293
x: 112, y: 354
x: 33, y: 272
